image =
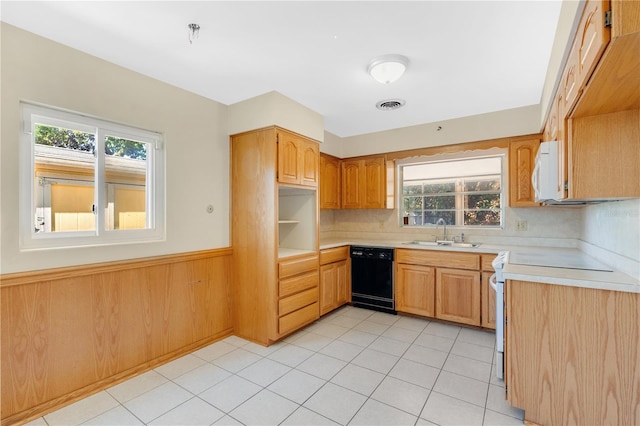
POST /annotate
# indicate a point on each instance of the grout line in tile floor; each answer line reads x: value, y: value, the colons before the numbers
x: 331, y: 372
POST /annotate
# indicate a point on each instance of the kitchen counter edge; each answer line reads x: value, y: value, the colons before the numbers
x: 615, y: 281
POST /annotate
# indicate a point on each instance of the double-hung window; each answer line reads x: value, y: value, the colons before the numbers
x: 86, y: 181
x: 462, y: 192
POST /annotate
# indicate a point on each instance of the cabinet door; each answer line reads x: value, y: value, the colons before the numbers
x: 351, y: 183
x: 570, y: 82
x: 522, y: 156
x: 592, y: 38
x: 328, y: 287
x: 561, y: 192
x: 373, y: 195
x: 298, y: 159
x: 309, y: 163
x: 329, y: 182
x: 488, y: 302
x: 415, y: 289
x: 458, y: 296
x: 289, y: 155
x: 551, y: 126
x: 343, y: 290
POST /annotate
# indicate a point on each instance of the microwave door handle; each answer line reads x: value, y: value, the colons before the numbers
x: 534, y: 180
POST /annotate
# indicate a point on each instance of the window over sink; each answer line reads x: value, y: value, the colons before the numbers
x: 465, y: 191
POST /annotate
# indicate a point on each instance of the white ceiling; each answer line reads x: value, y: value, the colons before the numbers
x: 466, y: 57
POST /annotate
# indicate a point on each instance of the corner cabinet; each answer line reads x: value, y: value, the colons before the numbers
x: 274, y: 226
x: 522, y: 156
x: 367, y: 183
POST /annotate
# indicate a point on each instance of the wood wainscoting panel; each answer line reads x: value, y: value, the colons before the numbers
x: 71, y: 333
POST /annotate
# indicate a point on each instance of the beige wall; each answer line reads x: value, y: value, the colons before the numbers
x: 513, y: 122
x: 196, y: 142
x: 275, y: 108
x: 567, y: 22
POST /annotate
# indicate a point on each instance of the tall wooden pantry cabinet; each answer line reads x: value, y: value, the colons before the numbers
x: 274, y: 209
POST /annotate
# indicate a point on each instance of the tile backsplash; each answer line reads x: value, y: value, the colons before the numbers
x: 611, y: 231
x: 608, y: 231
x: 544, y: 225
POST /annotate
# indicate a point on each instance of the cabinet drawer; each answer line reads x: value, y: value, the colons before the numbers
x: 298, y: 318
x: 289, y: 268
x: 297, y: 284
x: 485, y: 261
x: 334, y: 255
x: 297, y: 301
x: 439, y: 258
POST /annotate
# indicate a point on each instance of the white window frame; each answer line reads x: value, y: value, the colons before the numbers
x: 155, y: 182
x: 493, y: 152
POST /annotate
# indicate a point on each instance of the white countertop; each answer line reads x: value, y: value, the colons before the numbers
x: 615, y: 280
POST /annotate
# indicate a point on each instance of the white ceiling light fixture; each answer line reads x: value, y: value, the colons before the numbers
x: 388, y: 68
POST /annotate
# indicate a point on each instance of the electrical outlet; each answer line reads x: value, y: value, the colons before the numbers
x: 521, y: 225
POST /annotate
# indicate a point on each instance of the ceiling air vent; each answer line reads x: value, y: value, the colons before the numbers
x: 390, y: 104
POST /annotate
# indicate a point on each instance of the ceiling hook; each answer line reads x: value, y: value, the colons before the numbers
x: 194, y: 32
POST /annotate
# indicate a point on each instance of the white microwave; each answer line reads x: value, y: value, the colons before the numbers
x: 545, y: 172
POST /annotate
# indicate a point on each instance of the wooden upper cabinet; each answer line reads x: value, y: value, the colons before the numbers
x: 592, y: 37
x: 310, y: 163
x: 329, y: 182
x: 551, y: 126
x: 351, y: 183
x: 569, y: 84
x: 364, y: 183
x: 375, y: 183
x: 563, y: 168
x: 625, y: 17
x: 298, y: 159
x: 522, y: 156
x: 605, y: 156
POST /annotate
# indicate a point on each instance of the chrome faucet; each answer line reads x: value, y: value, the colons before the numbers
x: 444, y: 224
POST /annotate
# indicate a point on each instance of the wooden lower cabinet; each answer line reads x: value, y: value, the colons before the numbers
x: 334, y: 279
x: 440, y: 284
x: 488, y: 296
x: 458, y: 295
x: 415, y: 289
x: 572, y: 354
x: 297, y: 293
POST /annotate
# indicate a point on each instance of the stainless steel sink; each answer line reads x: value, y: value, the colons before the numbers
x: 423, y: 243
x: 444, y: 243
x: 470, y: 245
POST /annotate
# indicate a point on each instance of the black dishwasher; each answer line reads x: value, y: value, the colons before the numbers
x: 372, y: 278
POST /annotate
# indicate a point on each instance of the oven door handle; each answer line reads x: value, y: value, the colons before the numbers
x: 492, y: 282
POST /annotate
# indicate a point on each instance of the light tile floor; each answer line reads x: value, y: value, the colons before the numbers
x: 353, y: 366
